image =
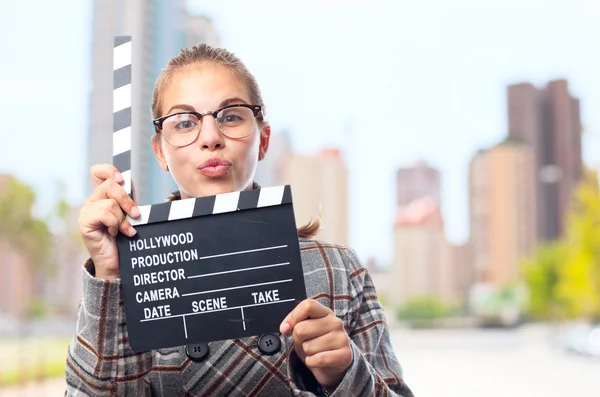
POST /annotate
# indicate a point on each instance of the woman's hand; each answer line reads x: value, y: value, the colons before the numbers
x: 320, y: 341
x: 101, y: 218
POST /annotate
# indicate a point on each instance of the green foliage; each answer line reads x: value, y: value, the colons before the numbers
x: 37, y: 309
x: 423, y: 308
x: 564, y: 276
x: 542, y: 273
x: 24, y: 233
x: 507, y: 297
x: 579, y: 278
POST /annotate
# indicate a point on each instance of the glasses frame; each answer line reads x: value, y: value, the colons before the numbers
x: 158, y: 123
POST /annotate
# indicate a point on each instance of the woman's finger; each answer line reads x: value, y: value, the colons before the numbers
x: 329, y: 341
x: 335, y: 359
x: 102, y: 172
x: 110, y: 189
x: 313, y: 328
x: 308, y: 308
x: 105, y: 213
x: 98, y: 214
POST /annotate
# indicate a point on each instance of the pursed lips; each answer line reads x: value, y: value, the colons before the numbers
x: 214, y: 167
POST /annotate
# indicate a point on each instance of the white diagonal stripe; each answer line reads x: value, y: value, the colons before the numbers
x: 143, y: 219
x: 226, y: 202
x: 122, y: 141
x: 270, y: 196
x: 126, y: 181
x: 181, y: 209
x: 122, y: 55
x: 122, y: 98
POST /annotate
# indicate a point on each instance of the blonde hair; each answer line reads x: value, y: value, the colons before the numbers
x: 204, y: 54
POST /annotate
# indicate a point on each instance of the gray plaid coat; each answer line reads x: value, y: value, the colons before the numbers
x: 101, y: 363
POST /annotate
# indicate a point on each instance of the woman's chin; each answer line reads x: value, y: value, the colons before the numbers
x: 213, y: 189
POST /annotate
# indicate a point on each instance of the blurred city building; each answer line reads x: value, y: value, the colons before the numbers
x: 425, y: 263
x: 62, y: 288
x: 417, y: 181
x: 52, y: 287
x: 199, y: 29
x: 17, y: 284
x: 502, y: 211
x: 548, y: 119
x: 420, y: 250
x: 159, y: 29
x: 320, y: 190
x: 382, y: 282
x: 269, y: 171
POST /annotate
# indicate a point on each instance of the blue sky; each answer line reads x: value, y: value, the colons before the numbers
x: 389, y: 82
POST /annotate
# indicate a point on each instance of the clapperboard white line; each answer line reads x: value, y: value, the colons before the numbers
x: 242, y: 252
x: 185, y: 326
x: 217, y: 310
x: 239, y: 270
x: 122, y: 50
x: 200, y: 206
x: 238, y: 287
x: 243, y: 319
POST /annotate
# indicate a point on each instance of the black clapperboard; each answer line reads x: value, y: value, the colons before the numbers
x: 204, y: 269
x: 211, y: 268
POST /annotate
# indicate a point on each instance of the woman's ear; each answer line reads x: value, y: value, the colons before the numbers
x: 160, y: 157
x: 265, y: 136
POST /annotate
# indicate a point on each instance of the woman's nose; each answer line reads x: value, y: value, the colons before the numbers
x: 210, y: 136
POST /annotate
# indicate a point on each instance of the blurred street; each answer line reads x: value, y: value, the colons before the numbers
x: 468, y: 362
x: 492, y: 363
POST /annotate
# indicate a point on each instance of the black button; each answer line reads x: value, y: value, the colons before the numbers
x: 197, y: 352
x: 269, y: 344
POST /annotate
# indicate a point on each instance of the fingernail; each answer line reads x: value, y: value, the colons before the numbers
x: 285, y: 327
x: 118, y: 176
x: 135, y: 212
x: 131, y: 231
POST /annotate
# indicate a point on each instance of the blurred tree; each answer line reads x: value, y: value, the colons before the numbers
x: 24, y: 233
x: 423, y: 308
x: 564, y: 276
x: 579, y: 279
x: 541, y: 273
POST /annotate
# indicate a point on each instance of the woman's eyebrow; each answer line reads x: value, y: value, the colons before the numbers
x: 187, y: 108
x: 229, y: 101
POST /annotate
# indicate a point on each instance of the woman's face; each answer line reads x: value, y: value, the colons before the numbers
x: 213, y: 163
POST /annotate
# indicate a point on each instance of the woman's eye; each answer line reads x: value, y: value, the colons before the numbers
x: 185, y: 125
x: 230, y: 118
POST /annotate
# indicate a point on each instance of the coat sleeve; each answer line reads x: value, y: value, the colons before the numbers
x: 375, y: 370
x: 100, y: 361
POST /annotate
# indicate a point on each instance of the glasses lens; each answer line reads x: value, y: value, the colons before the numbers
x: 181, y: 129
x: 236, y: 122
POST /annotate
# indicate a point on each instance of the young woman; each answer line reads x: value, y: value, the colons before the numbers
x: 210, y: 135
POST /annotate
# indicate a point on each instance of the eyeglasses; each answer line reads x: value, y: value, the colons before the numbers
x: 182, y: 128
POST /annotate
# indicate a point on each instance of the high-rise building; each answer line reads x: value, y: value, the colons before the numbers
x: 320, y: 190
x: 200, y: 29
x: 502, y: 211
x: 269, y: 171
x: 425, y: 262
x: 548, y: 119
x: 159, y: 29
x: 420, y: 251
x: 461, y: 272
x: 417, y: 181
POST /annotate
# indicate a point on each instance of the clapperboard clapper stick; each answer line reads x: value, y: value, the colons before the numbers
x: 209, y: 268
